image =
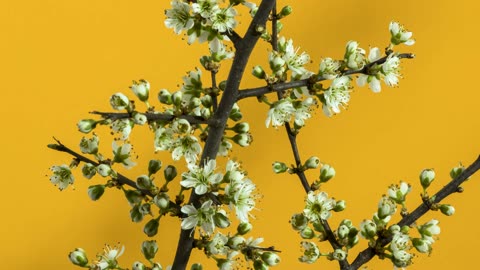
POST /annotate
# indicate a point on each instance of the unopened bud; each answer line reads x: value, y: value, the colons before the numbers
x: 86, y: 125
x: 151, y: 228
x: 312, y: 163
x: 154, y: 166
x: 165, y: 97
x: 243, y: 228
x: 144, y: 182
x: 279, y: 167
x: 447, y: 209
x: 119, y: 101
x: 141, y: 89
x: 258, y: 72
x: 327, y: 172
x: 162, y: 200
x: 149, y: 249
x: 270, y: 258
x: 78, y: 257
x: 170, y: 173
x: 95, y: 192
x: 138, y: 266
x: 286, y: 10
x: 307, y: 233
x: 426, y: 177
x: 455, y: 172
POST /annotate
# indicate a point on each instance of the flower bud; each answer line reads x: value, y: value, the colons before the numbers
x: 279, y: 26
x: 157, y: 266
x: 144, y: 182
x: 312, y: 163
x: 78, y: 257
x: 133, y: 196
x: 243, y: 127
x: 368, y: 229
x: 104, y: 170
x: 151, y: 228
x: 270, y: 258
x: 258, y: 72
x: 340, y: 206
x: 222, y: 85
x: 455, y: 172
x: 177, y: 98
x: 165, y: 97
x: 279, y: 167
x: 135, y: 214
x: 119, y: 101
x: 206, y: 101
x: 307, y: 233
x: 86, y: 125
x: 243, y: 228
x: 162, y: 200
x: 195, y: 102
x: 242, y: 139
x: 95, y: 192
x: 327, y: 172
x: 196, y: 266
x: 170, y: 173
x: 236, y: 242
x: 342, y: 231
x: 149, y: 249
x: 138, y: 266
x: 205, y: 113
x: 154, y: 166
x: 426, y: 177
x: 236, y: 115
x: 447, y: 209
x: 421, y: 245
x: 144, y: 209
x: 89, y: 170
x: 339, y: 255
x: 141, y: 89
x: 221, y: 220
x: 286, y: 10
x: 259, y: 265
x: 139, y: 118
x: 299, y: 221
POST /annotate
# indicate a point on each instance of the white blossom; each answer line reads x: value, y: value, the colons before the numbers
x: 294, y: 61
x: 122, y: 154
x: 354, y: 56
x: 89, y: 146
x: 372, y: 79
x: 400, y: 34
x: 302, y: 111
x: 201, y: 178
x: 108, y: 260
x: 338, y: 94
x: 187, y: 146
x: 310, y: 252
x: 218, y: 244
x: 62, y: 176
x: 280, y: 112
x: 329, y: 68
x: 202, y: 217
x: 179, y: 17
x: 204, y: 7
x: 318, y: 206
x: 223, y: 19
x: 391, y: 70
x: 124, y: 126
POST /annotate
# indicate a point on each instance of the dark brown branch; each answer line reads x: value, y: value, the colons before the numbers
x: 217, y: 126
x: 234, y: 37
x: 452, y: 187
x: 152, y: 117
x: 255, y: 92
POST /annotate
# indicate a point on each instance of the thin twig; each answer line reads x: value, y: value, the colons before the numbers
x: 152, y: 117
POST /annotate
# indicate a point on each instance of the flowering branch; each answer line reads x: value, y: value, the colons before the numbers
x: 278, y: 87
x: 452, y: 187
x: 152, y: 116
x: 217, y: 127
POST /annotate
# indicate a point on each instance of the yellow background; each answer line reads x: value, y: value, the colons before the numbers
x: 60, y: 59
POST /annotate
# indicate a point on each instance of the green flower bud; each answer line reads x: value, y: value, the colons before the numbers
x: 141, y: 89
x: 133, y: 196
x: 241, y: 127
x: 235, y: 114
x: 195, y: 102
x: 222, y: 85
x: 286, y: 10
x: 170, y: 173
x: 138, y: 266
x: 299, y: 221
x: 206, y: 101
x: 236, y: 242
x: 139, y: 118
x: 162, y: 200
x: 368, y: 229
x: 89, y: 170
x: 340, y: 206
x: 455, y: 172
x: 421, y: 245
x: 154, y: 166
x: 86, y: 125
x: 157, y: 266
x: 144, y: 182
x: 151, y: 228
x: 242, y: 139
x: 144, y: 209
x: 78, y: 257
x: 307, y: 233
x: 270, y: 258
x: 339, y: 255
x: 95, y: 192
x: 243, y: 228
x: 312, y: 163
x: 259, y: 265
x: 279, y: 167
x: 104, y: 170
x: 394, y: 229
x: 326, y: 173
x: 196, y: 266
x: 119, y: 101
x: 259, y: 72
x: 279, y: 26
x: 177, y: 98
x: 149, y: 249
x: 221, y: 220
x: 135, y: 214
x: 343, y: 231
x: 205, y: 113
x: 426, y: 177
x: 447, y: 209
x: 165, y: 97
